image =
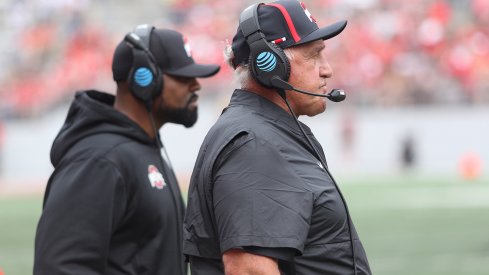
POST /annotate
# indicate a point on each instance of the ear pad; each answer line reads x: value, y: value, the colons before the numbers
x: 145, y: 77
x: 145, y: 80
x: 268, y: 60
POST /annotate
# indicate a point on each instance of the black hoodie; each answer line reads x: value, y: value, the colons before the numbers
x: 112, y: 205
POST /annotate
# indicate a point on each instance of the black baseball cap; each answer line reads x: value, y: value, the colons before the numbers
x: 286, y: 23
x: 171, y: 52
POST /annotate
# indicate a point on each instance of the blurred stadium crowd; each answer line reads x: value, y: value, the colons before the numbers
x: 394, y: 53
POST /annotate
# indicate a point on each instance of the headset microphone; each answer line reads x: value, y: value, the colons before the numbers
x: 336, y: 95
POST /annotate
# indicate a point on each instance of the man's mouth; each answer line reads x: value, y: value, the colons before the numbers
x: 192, y: 101
x: 193, y: 98
x: 324, y: 89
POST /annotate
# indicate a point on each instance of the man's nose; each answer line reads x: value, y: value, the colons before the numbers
x: 195, y: 85
x: 325, y: 70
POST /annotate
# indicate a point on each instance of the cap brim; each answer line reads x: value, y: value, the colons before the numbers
x: 195, y: 70
x: 324, y: 33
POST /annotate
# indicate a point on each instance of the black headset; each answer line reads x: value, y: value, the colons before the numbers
x: 145, y: 77
x: 266, y: 59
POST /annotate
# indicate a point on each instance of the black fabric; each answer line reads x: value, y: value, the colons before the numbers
x: 273, y: 24
x: 256, y: 183
x: 205, y: 266
x: 105, y: 209
x: 172, y: 54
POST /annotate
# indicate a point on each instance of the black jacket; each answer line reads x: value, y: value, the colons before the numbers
x: 258, y: 186
x: 112, y: 205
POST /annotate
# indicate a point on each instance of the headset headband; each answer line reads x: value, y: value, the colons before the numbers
x: 267, y: 60
x: 145, y: 77
x: 144, y: 33
x: 248, y: 21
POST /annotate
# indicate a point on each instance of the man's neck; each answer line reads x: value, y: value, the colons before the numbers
x: 136, y: 111
x: 270, y: 94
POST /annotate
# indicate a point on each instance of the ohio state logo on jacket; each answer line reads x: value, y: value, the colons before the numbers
x: 155, y: 177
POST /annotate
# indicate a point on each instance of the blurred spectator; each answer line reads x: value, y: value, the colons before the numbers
x: 408, y: 153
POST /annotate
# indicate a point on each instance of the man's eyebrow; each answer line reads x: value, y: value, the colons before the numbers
x: 319, y: 48
x: 315, y: 50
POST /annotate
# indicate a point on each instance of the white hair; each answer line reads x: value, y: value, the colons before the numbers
x: 242, y: 73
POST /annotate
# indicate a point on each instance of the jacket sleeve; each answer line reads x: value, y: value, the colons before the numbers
x: 83, y: 203
x: 259, y: 200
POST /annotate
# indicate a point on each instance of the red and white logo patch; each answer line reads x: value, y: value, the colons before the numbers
x: 186, y: 46
x: 155, y: 177
x: 308, y: 14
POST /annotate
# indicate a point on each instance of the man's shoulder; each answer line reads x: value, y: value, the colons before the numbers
x: 241, y: 118
x: 108, y: 146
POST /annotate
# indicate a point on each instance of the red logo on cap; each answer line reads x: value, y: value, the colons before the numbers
x: 308, y: 14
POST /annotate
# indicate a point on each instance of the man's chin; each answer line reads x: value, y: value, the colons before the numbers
x: 185, y: 117
x: 189, y: 119
x: 188, y: 124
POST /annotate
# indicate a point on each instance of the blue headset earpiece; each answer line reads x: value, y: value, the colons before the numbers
x: 266, y: 59
x: 145, y: 77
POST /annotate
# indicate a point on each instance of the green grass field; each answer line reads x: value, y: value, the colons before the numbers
x: 410, y: 226
x: 18, y: 220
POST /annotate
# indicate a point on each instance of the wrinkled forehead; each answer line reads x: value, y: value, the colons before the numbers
x: 307, y: 49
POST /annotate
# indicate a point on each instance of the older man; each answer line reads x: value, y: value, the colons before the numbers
x: 261, y: 198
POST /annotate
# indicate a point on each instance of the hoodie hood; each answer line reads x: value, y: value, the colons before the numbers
x: 92, y: 113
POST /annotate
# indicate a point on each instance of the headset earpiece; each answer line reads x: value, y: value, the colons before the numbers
x: 145, y: 81
x: 145, y: 78
x: 266, y: 59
